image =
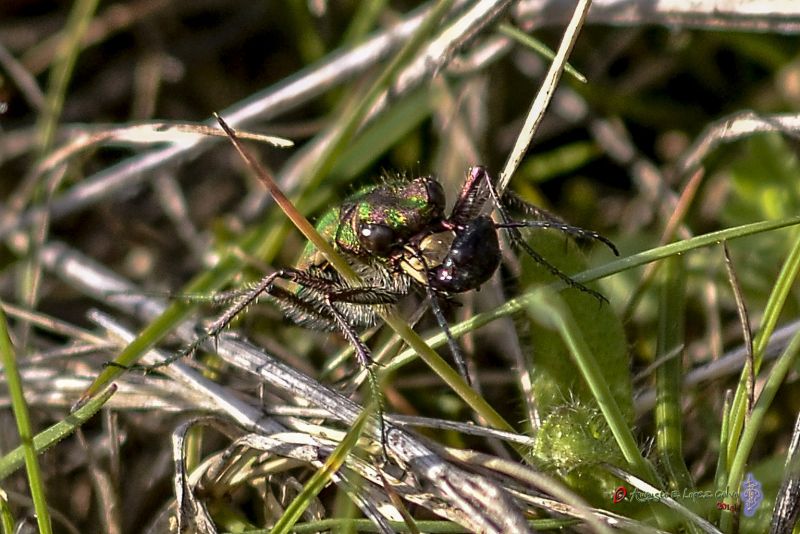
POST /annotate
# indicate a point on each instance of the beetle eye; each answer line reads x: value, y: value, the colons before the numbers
x: 377, y: 238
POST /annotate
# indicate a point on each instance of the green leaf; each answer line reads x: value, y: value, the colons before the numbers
x: 555, y: 377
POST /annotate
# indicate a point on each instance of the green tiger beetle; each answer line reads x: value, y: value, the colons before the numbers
x: 396, y: 236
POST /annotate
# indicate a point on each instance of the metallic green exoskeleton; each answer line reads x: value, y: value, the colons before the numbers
x: 370, y: 229
x: 377, y: 218
x: 396, y: 236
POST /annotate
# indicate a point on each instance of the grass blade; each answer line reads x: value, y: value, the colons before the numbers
x: 20, y: 409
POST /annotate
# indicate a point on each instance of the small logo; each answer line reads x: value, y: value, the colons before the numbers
x: 619, y: 494
x: 751, y: 495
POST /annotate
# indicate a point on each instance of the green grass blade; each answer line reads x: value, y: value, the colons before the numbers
x: 61, y: 72
x: 321, y: 477
x: 311, y: 46
x: 449, y: 375
x: 721, y: 474
x: 6, y: 519
x: 777, y: 375
x: 343, y: 131
x: 14, y: 459
x: 668, y: 414
x: 547, y: 308
x: 538, y: 47
x: 20, y: 408
x: 47, y: 122
x: 630, y: 262
x: 384, y: 133
x: 363, y: 20
x: 670, y: 346
x: 775, y: 303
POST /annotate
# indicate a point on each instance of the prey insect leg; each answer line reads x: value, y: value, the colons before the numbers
x: 576, y: 231
x: 455, y: 348
x: 544, y: 219
x: 517, y: 239
x: 512, y: 227
x: 433, y: 299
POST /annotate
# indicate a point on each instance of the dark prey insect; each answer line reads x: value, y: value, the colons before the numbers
x: 396, y: 236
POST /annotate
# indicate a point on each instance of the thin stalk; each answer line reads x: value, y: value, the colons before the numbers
x: 623, y: 264
x: 772, y: 312
x: 20, y: 408
x: 547, y: 308
x: 545, y: 94
x: 668, y: 413
x: 776, y: 378
x: 45, y: 439
x: 320, y: 478
x: 721, y: 474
